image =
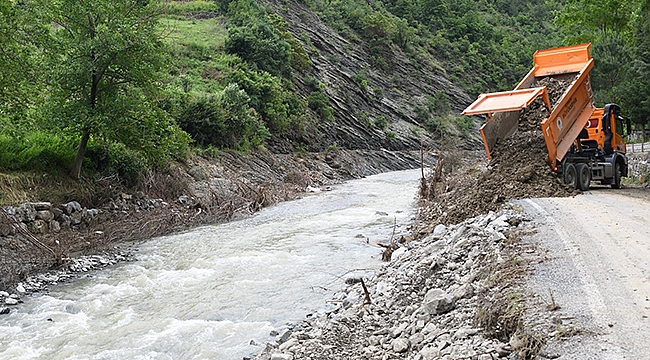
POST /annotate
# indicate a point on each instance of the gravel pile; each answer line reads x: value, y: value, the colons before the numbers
x: 450, y: 295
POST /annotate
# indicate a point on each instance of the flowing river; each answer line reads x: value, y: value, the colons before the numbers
x: 205, y: 293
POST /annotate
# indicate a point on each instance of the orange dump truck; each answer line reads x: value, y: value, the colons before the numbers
x: 584, y: 143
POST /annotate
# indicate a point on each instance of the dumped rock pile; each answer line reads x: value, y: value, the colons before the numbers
x: 518, y: 169
x: 449, y: 295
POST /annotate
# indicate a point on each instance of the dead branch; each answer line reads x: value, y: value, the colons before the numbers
x: 366, y: 300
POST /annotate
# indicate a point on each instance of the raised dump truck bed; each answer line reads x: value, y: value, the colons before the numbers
x: 565, y: 129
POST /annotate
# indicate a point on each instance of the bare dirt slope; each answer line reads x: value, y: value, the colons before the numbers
x: 597, y: 268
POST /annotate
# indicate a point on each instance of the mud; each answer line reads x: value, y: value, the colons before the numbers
x: 518, y: 169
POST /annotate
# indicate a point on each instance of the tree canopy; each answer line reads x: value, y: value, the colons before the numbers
x: 106, y: 63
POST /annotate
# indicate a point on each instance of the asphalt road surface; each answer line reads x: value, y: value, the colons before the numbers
x: 596, y: 267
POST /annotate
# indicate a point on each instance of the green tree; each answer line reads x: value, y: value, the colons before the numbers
x: 106, y: 65
x: 18, y: 74
x: 586, y: 20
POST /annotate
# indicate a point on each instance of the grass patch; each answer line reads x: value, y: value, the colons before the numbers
x: 180, y: 31
x: 37, y: 150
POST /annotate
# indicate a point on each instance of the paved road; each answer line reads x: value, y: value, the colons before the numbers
x: 598, y: 269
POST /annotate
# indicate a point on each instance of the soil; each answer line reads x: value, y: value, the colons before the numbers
x: 518, y: 169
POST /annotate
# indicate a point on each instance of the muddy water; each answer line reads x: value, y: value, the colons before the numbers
x: 206, y: 293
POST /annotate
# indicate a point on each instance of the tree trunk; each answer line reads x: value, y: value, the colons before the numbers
x: 79, y: 159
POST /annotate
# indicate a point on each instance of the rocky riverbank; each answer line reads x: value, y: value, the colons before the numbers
x: 37, y: 237
x: 455, y: 293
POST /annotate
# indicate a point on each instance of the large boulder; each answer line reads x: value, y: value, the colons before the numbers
x: 438, y: 301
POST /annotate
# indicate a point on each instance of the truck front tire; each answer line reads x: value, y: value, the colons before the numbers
x: 617, y: 176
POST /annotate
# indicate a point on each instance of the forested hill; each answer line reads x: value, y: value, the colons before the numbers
x: 107, y: 88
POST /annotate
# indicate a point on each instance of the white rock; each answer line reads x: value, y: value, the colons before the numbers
x: 400, y: 345
x: 4, y: 293
x: 11, y: 301
x: 437, y: 301
x: 398, y: 253
x: 382, y: 288
x: 464, y: 291
x: 20, y: 288
x: 280, y: 356
x: 430, y: 353
x: 288, y: 344
x: 439, y: 229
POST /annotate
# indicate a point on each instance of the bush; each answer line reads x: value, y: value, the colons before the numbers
x: 319, y: 102
x: 226, y: 120
x: 390, y: 135
x: 362, y: 81
x: 381, y: 122
x: 464, y: 124
x: 277, y: 106
x: 116, y: 159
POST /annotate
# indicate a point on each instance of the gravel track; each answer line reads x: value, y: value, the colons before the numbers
x: 597, y: 269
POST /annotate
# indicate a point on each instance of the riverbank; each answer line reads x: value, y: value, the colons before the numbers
x: 203, y: 191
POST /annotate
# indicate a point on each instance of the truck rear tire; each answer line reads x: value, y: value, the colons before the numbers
x: 570, y: 175
x: 617, y: 176
x: 584, y: 176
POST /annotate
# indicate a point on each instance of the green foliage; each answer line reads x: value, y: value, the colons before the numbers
x: 416, y: 130
x: 36, y: 150
x: 277, y: 106
x: 106, y: 60
x: 464, y: 124
x: 319, y: 102
x: 332, y: 148
x: 263, y: 40
x: 362, y: 81
x: 483, y: 46
x: 619, y: 32
x: 261, y: 46
x: 224, y: 121
x: 381, y: 122
x: 438, y: 104
x: 116, y: 159
x: 390, y: 135
x: 19, y: 60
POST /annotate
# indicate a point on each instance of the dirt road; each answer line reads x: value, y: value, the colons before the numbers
x: 596, y: 267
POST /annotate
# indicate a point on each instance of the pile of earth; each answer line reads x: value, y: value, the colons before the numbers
x: 518, y: 169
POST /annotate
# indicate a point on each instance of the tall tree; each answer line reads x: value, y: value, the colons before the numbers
x: 107, y: 62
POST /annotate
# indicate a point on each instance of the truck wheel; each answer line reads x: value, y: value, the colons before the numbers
x: 570, y: 176
x: 617, y: 176
x: 584, y: 176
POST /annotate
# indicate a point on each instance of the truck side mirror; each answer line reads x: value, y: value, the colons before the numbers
x: 628, y: 126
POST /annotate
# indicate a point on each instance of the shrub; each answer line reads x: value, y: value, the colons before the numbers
x: 390, y: 135
x: 116, y: 159
x: 362, y: 81
x: 381, y: 122
x: 226, y: 120
x: 319, y: 102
